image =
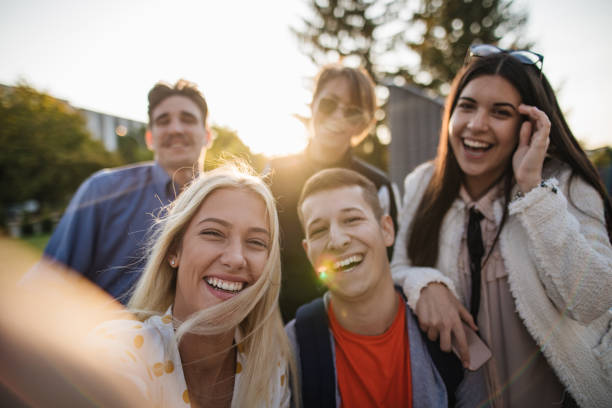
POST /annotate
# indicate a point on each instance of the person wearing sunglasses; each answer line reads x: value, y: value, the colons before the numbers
x: 342, y: 114
x: 508, y: 230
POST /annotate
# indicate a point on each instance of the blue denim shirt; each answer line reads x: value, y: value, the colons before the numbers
x: 104, y: 231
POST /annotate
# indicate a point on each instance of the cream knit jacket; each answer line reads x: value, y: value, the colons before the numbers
x: 559, y: 263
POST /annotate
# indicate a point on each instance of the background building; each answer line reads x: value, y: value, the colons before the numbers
x: 107, y: 128
x: 414, y: 120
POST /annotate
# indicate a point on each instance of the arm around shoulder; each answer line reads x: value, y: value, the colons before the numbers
x: 413, y: 279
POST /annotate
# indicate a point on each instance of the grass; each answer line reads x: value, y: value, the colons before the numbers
x: 37, y: 241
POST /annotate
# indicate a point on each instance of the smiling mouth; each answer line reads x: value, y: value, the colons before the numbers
x: 225, y: 286
x: 476, y: 145
x: 176, y: 140
x: 343, y: 265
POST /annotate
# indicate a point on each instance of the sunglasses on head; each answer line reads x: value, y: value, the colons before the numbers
x: 524, y: 56
x: 351, y: 113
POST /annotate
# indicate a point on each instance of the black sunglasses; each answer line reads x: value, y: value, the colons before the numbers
x: 525, y: 56
x: 353, y: 114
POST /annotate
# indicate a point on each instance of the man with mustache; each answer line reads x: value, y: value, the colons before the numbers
x: 102, y: 234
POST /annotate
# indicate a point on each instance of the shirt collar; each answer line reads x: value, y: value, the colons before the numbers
x: 164, y: 183
x: 485, y: 204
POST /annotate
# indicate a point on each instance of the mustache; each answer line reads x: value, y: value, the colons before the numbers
x: 178, y: 137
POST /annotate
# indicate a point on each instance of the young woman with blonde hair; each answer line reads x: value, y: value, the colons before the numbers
x: 210, y: 331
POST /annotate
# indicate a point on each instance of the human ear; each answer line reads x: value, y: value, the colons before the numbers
x: 208, y: 137
x: 388, y: 232
x: 149, y: 138
x: 173, y: 257
x: 173, y: 261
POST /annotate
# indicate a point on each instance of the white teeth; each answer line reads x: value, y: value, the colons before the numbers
x: 347, y: 261
x: 223, y: 284
x: 475, y: 144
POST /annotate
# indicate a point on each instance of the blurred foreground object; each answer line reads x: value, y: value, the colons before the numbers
x: 46, y: 361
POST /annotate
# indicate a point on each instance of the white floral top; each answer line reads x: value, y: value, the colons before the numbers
x: 147, y: 354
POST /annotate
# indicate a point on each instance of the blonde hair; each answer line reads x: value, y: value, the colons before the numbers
x: 255, y: 310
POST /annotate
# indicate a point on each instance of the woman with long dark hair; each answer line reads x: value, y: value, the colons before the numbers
x: 509, y: 231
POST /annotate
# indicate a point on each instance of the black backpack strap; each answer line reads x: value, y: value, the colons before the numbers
x: 449, y: 367
x: 318, y: 374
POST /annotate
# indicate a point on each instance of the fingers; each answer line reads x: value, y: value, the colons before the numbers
x: 440, y: 315
x: 466, y: 316
x: 525, y: 134
x: 445, y: 340
x: 529, y: 156
x: 539, y: 121
x: 460, y: 345
x: 432, y: 333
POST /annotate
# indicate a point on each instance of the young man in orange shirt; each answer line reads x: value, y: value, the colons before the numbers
x: 359, y: 345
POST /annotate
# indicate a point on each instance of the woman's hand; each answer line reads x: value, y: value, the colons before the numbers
x: 529, y: 157
x: 440, y: 314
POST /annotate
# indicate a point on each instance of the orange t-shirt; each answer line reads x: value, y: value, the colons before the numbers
x: 374, y: 371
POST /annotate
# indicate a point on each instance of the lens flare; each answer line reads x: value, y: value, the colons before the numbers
x: 325, y: 270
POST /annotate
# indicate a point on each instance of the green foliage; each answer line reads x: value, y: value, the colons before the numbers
x: 338, y: 29
x: 601, y: 157
x: 450, y: 27
x: 386, y: 37
x: 47, y: 151
x: 227, y: 146
x: 38, y: 241
x: 132, y: 147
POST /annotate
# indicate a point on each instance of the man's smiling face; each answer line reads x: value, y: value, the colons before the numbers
x: 345, y: 242
x: 178, y: 133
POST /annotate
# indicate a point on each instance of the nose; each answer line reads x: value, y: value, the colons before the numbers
x: 338, y: 113
x: 175, y: 126
x: 233, y: 256
x: 478, y: 121
x: 338, y: 238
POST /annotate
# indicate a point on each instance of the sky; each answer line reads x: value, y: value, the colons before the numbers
x: 105, y: 56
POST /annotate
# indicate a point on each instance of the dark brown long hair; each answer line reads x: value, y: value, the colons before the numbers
x: 447, y: 177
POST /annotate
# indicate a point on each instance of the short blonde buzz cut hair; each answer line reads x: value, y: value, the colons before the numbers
x: 334, y: 178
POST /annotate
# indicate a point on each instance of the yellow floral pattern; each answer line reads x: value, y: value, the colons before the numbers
x: 147, y: 354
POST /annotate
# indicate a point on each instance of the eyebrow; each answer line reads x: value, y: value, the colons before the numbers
x: 498, y: 104
x: 228, y: 225
x: 343, y: 210
x: 181, y: 113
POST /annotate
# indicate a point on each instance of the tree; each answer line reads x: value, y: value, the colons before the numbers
x: 226, y: 146
x: 339, y: 29
x: 419, y: 41
x: 132, y: 147
x: 46, y: 149
x: 450, y: 27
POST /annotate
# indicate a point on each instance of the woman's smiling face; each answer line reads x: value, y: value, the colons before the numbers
x: 483, y: 130
x: 332, y: 129
x: 224, y: 250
